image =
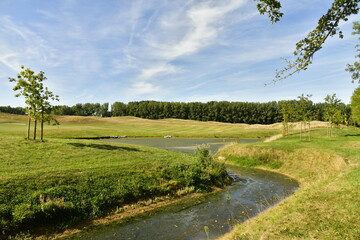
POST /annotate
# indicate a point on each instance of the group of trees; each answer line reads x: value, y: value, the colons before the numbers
x: 37, y: 98
x: 12, y: 110
x: 303, y: 110
x: 87, y: 109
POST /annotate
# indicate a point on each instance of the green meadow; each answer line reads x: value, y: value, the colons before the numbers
x: 92, y: 127
x: 327, y: 205
x: 49, y: 186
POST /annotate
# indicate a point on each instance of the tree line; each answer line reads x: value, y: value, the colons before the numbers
x: 301, y: 109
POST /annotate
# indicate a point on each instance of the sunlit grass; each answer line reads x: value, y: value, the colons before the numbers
x: 59, y: 181
x: 89, y: 127
x: 328, y: 204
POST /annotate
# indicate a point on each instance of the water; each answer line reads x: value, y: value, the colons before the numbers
x: 185, y: 145
x: 212, y: 216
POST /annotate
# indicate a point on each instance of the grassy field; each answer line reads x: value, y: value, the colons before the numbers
x: 90, y: 127
x: 48, y: 186
x: 327, y: 206
x: 33, y: 175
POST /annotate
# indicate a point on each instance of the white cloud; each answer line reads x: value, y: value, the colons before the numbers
x: 199, y: 27
x: 142, y: 88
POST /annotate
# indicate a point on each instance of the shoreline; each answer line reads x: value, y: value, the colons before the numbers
x: 130, y: 212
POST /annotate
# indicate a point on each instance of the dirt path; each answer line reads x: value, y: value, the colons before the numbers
x: 273, y: 138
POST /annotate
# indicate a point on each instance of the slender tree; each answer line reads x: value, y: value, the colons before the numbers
x: 355, y: 106
x: 333, y: 112
x: 26, y: 85
x: 30, y: 85
x: 304, y: 111
x: 45, y: 107
x: 287, y: 111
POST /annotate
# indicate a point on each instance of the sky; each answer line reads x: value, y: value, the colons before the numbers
x: 168, y: 50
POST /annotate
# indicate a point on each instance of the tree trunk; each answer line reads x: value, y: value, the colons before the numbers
x: 331, y: 130
x: 35, y: 124
x: 28, y: 130
x: 285, y: 129
x: 42, y: 125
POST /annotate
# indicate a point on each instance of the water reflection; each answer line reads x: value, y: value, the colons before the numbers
x: 212, y: 216
x: 181, y: 144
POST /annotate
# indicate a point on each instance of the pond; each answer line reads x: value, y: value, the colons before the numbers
x: 185, y: 145
x: 209, y: 217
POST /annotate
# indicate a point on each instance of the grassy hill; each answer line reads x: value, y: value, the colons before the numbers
x: 48, y: 186
x: 327, y: 206
x: 34, y: 175
x: 90, y: 127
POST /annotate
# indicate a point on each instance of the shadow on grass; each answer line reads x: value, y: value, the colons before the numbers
x: 104, y: 147
x: 352, y: 135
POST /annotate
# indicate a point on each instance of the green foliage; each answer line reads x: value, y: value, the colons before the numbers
x: 12, y: 110
x: 118, y: 109
x: 355, y: 67
x: 272, y: 8
x: 333, y: 113
x: 37, y: 97
x: 355, y: 106
x: 230, y: 112
x: 328, y: 26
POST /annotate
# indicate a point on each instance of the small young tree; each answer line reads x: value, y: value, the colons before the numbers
x: 25, y: 84
x: 36, y: 96
x: 287, y: 111
x: 45, y: 108
x: 333, y: 112
x: 305, y: 114
x: 355, y: 106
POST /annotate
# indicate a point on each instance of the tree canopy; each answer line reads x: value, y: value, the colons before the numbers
x: 328, y: 26
x: 355, y: 67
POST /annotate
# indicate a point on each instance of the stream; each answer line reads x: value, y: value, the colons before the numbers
x: 210, y: 217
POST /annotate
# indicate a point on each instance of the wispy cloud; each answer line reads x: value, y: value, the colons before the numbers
x: 185, y: 32
x: 23, y: 45
x: 154, y: 49
x: 158, y: 69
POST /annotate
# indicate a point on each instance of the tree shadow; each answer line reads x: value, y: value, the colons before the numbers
x: 103, y: 147
x: 352, y: 135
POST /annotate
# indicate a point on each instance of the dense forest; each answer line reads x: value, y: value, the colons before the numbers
x: 230, y: 112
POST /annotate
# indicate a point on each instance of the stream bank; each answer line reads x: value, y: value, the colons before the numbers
x: 210, y: 216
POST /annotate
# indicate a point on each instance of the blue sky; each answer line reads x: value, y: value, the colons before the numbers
x: 175, y: 50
